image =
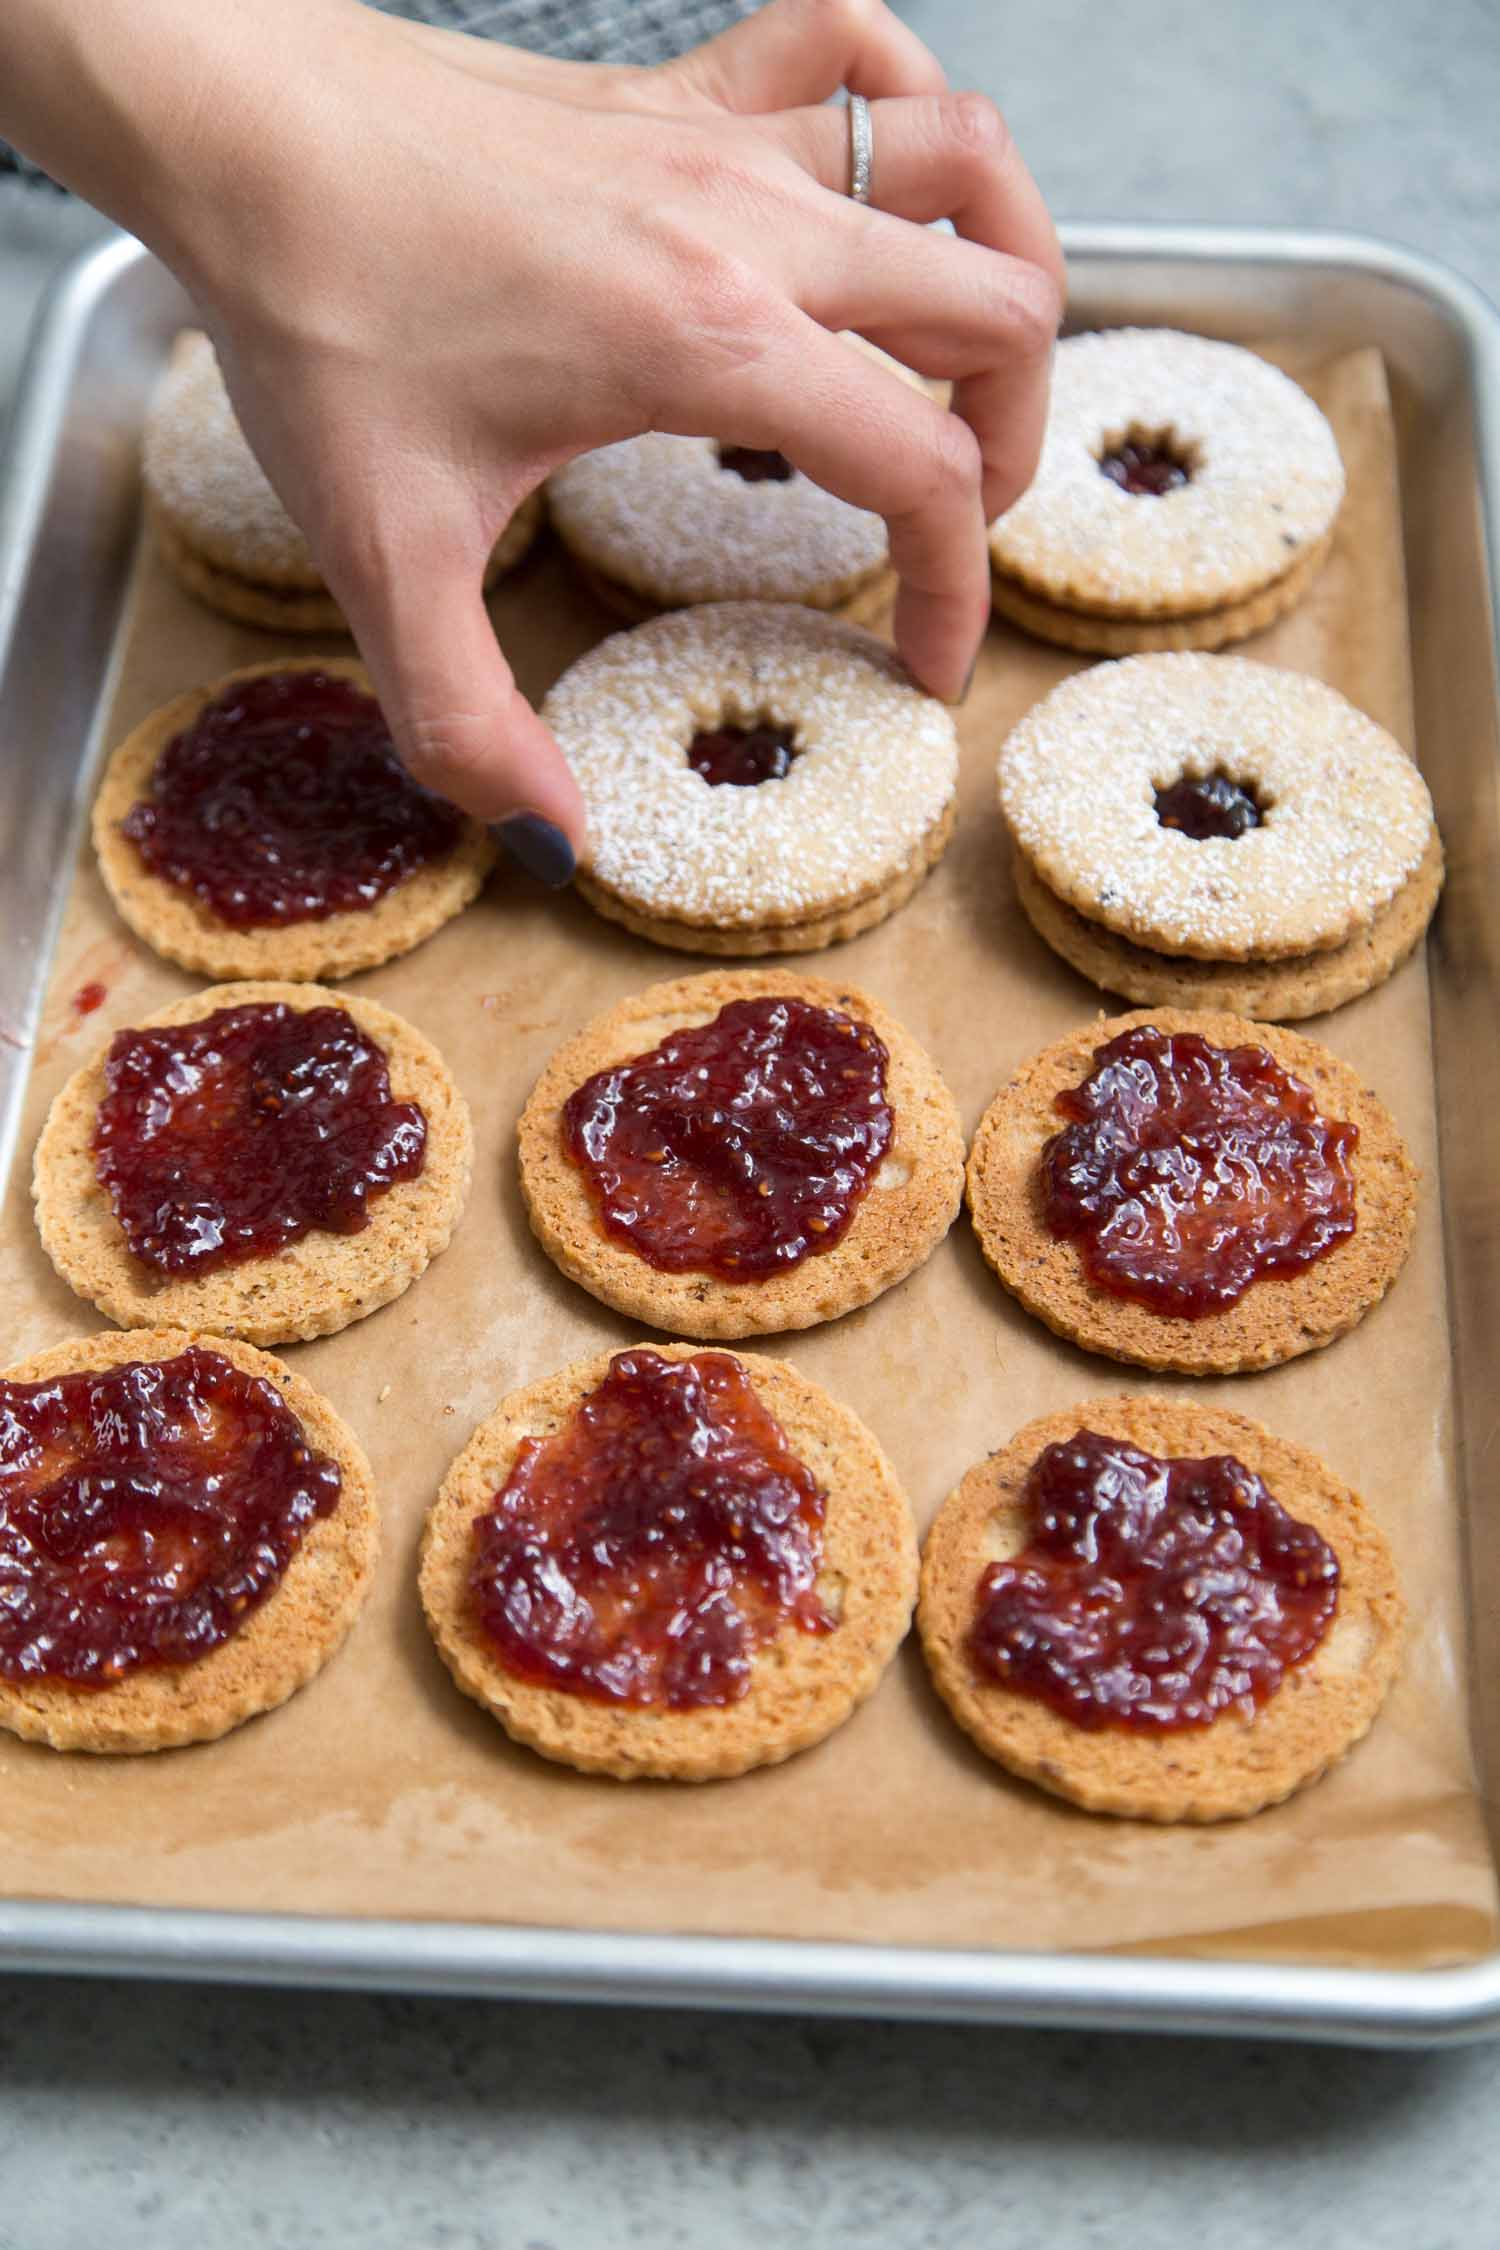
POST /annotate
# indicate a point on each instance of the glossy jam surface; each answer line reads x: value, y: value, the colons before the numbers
x: 231, y: 1137
x: 1211, y: 805
x: 285, y: 801
x: 756, y: 467
x: 647, y: 1550
x: 1153, y: 1594
x: 1148, y: 471
x: 1190, y: 1170
x: 742, y: 756
x: 144, y: 1513
x: 737, y: 1148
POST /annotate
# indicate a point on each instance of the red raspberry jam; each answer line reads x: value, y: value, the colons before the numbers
x: 742, y: 756
x: 285, y: 801
x: 1211, y: 806
x: 738, y: 1148
x: 1146, y: 470
x: 1190, y: 1170
x: 755, y: 466
x: 144, y: 1513
x: 231, y: 1137
x: 644, y: 1553
x: 1154, y: 1594
x: 88, y: 997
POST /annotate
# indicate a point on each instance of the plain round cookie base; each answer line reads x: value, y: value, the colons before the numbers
x: 866, y: 603
x: 178, y: 926
x: 809, y: 936
x: 1280, y: 1316
x: 1233, y: 1767
x: 895, y: 1227
x: 313, y: 1287
x: 293, y: 606
x: 1280, y: 991
x: 1127, y: 635
x: 281, y: 1644
x: 803, y: 1685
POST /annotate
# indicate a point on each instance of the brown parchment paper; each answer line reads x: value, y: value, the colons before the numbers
x: 381, y: 1791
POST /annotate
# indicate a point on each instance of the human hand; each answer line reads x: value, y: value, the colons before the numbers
x: 434, y: 270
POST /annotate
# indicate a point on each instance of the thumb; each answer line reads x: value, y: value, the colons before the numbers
x: 461, y: 725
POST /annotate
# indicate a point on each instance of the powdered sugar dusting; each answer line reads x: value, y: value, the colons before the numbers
x: 876, y: 763
x: 199, y: 467
x: 1266, y: 478
x: 1346, y: 817
x: 660, y: 514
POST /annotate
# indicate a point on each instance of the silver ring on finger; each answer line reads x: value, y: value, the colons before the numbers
x: 861, y: 148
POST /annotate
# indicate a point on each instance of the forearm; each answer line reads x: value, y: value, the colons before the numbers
x: 157, y: 111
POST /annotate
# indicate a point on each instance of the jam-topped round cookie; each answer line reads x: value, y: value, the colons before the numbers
x: 669, y: 1562
x: 271, y: 1161
x: 217, y: 522
x: 1185, y: 497
x: 1211, y: 831
x: 662, y: 522
x: 1159, y: 1610
x: 1193, y: 1192
x: 688, y: 846
x: 264, y: 826
x: 187, y: 1531
x: 736, y: 1153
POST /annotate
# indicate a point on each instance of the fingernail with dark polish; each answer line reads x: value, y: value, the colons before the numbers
x: 539, y: 846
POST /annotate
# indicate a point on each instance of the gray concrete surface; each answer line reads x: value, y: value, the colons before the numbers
x: 175, y: 2118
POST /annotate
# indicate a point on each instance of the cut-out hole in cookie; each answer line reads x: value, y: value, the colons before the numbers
x: 741, y: 757
x: 1203, y: 805
x: 1147, y: 463
x: 756, y: 466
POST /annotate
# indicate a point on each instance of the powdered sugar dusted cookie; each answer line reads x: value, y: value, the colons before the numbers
x: 228, y: 1543
x: 563, y: 1564
x: 1159, y: 1610
x: 1208, y: 807
x: 1187, y: 491
x: 1192, y: 1192
x: 662, y: 522
x: 289, y: 1163
x: 218, y: 522
x: 264, y: 826
x: 818, y: 1163
x: 758, y: 777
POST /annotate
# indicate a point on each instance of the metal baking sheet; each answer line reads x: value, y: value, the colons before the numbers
x: 68, y: 517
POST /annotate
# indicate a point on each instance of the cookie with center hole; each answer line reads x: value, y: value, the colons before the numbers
x: 1203, y: 830
x: 758, y: 778
x: 1185, y: 498
x: 1159, y: 1610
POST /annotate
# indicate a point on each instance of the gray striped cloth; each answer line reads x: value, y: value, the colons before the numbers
x: 621, y: 31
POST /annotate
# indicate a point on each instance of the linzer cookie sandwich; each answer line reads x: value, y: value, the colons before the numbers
x: 269, y: 1161
x: 1159, y: 1611
x: 1185, y: 497
x: 264, y: 826
x: 1192, y: 1192
x: 758, y: 778
x: 731, y: 1154
x: 669, y: 1563
x: 1213, y: 833
x: 187, y: 1531
x: 217, y: 521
